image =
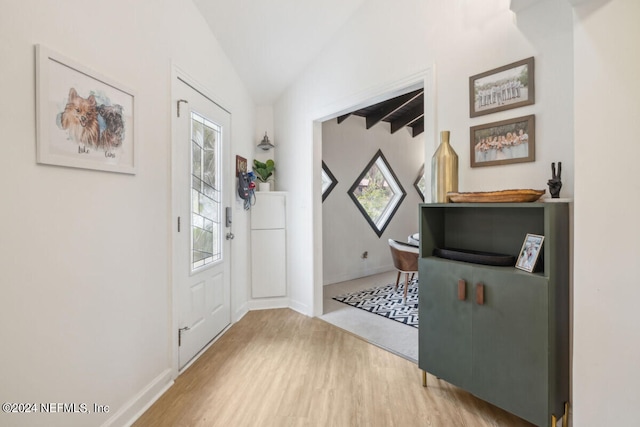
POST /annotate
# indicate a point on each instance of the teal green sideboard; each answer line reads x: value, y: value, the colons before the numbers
x: 498, y: 332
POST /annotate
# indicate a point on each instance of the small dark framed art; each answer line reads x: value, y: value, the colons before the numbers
x: 241, y: 165
x: 503, y: 88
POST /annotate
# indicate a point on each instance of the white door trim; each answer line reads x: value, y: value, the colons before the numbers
x: 425, y: 78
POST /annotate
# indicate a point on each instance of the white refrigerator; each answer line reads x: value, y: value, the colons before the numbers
x: 268, y: 245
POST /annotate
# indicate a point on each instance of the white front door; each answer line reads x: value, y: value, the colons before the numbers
x: 201, y: 252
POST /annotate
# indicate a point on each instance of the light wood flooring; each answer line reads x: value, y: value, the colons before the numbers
x: 280, y: 368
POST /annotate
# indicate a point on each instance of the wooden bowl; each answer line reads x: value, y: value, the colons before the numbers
x: 503, y: 196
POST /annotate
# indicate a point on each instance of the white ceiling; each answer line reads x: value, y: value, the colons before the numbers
x: 270, y: 42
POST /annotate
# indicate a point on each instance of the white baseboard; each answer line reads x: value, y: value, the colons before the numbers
x: 268, y: 303
x: 300, y: 308
x: 240, y: 312
x: 330, y: 280
x: 136, y: 406
x: 271, y: 303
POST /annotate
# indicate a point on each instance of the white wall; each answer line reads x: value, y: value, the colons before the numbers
x: 606, y: 292
x: 195, y: 50
x: 346, y: 149
x: 388, y: 41
x: 264, y: 123
x: 85, y: 255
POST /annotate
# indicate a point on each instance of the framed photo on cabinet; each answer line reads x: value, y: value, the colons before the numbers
x: 503, y: 88
x: 529, y: 252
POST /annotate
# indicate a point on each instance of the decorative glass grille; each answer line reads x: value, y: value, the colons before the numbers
x: 205, y: 192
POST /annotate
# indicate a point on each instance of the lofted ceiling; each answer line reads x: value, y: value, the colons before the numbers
x: 270, y: 42
x: 402, y: 111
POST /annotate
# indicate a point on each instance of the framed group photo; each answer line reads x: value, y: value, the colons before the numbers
x: 503, y: 88
x: 529, y: 252
x: 503, y: 142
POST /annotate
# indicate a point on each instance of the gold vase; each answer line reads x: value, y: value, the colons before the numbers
x: 444, y: 170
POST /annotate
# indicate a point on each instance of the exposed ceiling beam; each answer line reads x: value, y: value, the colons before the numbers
x: 407, y: 118
x: 418, y: 128
x: 392, y: 106
x: 405, y: 110
x: 343, y: 118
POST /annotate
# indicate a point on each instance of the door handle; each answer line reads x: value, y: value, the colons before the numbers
x: 480, y: 293
x: 230, y: 236
x: 228, y: 216
x: 462, y: 290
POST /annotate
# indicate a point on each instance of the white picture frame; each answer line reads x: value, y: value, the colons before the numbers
x: 84, y: 119
x: 529, y: 252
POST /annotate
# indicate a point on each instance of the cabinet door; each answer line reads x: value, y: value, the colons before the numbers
x: 445, y: 321
x: 269, y: 211
x: 510, y: 342
x: 268, y: 263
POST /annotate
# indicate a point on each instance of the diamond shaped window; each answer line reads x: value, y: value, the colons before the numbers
x: 421, y: 183
x: 328, y: 181
x: 377, y: 193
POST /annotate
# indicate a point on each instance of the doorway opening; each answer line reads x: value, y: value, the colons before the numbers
x: 355, y: 254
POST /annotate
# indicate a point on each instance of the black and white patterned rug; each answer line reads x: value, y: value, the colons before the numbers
x: 387, y: 302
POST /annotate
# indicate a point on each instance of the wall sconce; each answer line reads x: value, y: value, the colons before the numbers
x: 265, y: 144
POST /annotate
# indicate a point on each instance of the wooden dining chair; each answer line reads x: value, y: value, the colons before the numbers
x: 405, y: 260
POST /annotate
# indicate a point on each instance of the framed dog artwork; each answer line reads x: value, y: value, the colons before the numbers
x: 84, y: 119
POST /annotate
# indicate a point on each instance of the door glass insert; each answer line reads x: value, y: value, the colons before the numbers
x: 206, y: 227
